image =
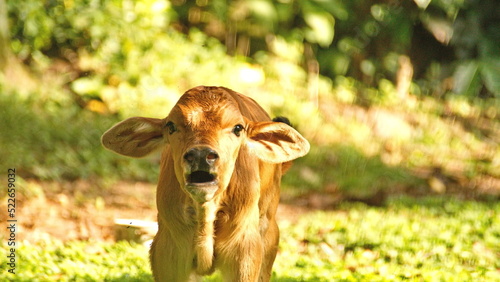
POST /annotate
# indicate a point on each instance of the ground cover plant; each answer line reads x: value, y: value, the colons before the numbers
x: 427, y: 239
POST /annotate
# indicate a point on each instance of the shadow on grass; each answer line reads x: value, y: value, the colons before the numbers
x: 60, y: 141
x: 346, y: 170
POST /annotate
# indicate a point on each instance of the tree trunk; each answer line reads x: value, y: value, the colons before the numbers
x: 4, y: 36
x: 14, y: 74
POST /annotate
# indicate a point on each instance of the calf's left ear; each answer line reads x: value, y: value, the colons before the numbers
x: 134, y: 137
x: 276, y: 142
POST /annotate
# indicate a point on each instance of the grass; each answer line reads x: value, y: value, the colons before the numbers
x: 426, y: 239
x: 432, y: 239
x: 54, y: 139
x: 349, y: 150
x: 81, y: 261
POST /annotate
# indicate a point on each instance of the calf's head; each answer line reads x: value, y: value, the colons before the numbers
x: 206, y: 131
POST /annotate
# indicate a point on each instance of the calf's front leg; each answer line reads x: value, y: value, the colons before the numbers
x: 242, y: 260
x: 172, y: 260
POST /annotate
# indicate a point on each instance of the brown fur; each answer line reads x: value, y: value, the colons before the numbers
x: 234, y: 229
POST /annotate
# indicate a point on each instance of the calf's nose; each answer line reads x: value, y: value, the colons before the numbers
x: 201, y: 158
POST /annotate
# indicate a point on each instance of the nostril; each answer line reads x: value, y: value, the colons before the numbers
x: 212, y: 156
x: 189, y: 156
x: 201, y: 156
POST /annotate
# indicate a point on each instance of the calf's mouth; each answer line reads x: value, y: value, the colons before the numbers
x: 201, y: 185
x: 201, y: 178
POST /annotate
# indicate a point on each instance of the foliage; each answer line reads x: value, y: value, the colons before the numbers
x: 122, y: 53
x: 428, y: 239
x: 55, y: 139
x: 111, y: 57
x: 331, y: 66
x: 362, y: 152
x: 363, y: 39
x: 311, y: 21
x: 478, y: 50
x: 80, y: 261
x: 355, y: 175
x: 100, y: 61
x: 117, y: 44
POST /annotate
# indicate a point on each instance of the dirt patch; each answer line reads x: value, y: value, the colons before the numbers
x: 84, y: 210
x: 79, y: 210
x: 87, y: 210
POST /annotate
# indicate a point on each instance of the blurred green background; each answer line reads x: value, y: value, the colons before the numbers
x: 400, y: 101
x: 395, y: 96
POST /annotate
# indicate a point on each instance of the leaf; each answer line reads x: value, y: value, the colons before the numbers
x: 87, y: 86
x: 490, y: 72
x: 321, y: 28
x: 335, y: 7
x: 263, y: 10
x: 466, y: 78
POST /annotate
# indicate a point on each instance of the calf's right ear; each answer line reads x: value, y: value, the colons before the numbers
x: 276, y: 142
x: 135, y: 137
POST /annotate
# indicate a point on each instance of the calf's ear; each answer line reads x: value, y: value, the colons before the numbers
x: 134, y: 137
x: 276, y: 142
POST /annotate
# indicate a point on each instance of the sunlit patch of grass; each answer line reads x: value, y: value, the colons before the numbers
x: 432, y: 238
x: 429, y: 239
x: 79, y: 261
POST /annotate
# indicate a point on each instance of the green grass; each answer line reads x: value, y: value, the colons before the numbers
x: 54, y: 139
x: 50, y: 137
x: 80, y: 261
x: 433, y: 239
x: 428, y: 239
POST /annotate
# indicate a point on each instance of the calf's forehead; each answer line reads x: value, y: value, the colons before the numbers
x: 206, y: 107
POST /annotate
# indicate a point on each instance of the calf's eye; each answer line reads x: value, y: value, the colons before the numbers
x: 237, y: 129
x: 170, y: 126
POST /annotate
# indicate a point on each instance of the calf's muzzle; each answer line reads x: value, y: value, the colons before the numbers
x: 201, y: 179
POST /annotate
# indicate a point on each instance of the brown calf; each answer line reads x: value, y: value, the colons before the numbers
x: 219, y: 182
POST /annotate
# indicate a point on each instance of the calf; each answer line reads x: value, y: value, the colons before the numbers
x: 218, y: 189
